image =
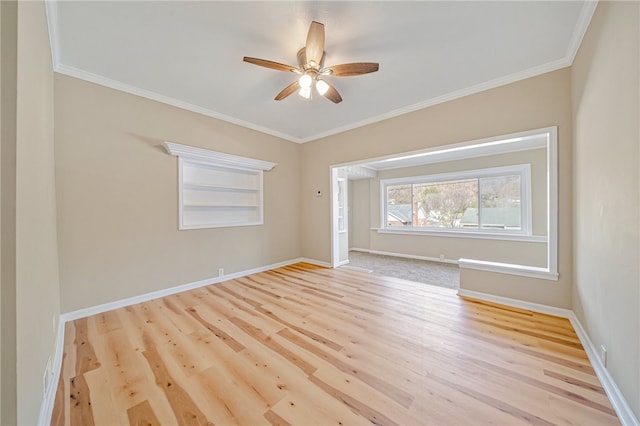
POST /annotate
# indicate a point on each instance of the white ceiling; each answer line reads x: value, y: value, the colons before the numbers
x: 189, y: 54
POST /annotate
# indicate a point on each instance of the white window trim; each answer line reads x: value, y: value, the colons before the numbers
x: 508, y: 268
x: 482, y: 235
x: 525, y: 234
x: 189, y: 156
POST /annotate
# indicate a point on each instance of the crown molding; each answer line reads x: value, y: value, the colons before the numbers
x: 588, y: 9
x: 148, y: 94
x: 51, y: 10
x: 471, y: 90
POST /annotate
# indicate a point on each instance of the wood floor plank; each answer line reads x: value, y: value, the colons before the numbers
x: 361, y: 398
x: 304, y: 345
x: 219, y: 333
x: 217, y: 395
x: 185, y: 409
x: 86, y: 359
x: 122, y: 368
x: 275, y: 420
x: 107, y: 321
x: 498, y: 403
x: 575, y: 381
x: 389, y: 389
x: 81, y: 412
x: 142, y: 415
x: 101, y: 390
x: 357, y: 405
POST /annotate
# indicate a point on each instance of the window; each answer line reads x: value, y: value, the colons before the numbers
x: 495, y: 200
x: 218, y: 190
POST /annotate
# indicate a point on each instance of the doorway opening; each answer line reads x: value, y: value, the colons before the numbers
x: 367, y: 206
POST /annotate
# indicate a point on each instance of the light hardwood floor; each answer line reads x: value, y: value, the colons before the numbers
x: 303, y: 345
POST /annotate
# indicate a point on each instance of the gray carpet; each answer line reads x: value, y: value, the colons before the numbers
x: 435, y: 273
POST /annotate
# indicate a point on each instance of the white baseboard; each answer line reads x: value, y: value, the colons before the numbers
x: 314, y: 262
x: 46, y: 407
x: 619, y: 403
x: 406, y: 256
x: 536, y: 307
x: 360, y: 250
x: 98, y: 309
x: 49, y: 398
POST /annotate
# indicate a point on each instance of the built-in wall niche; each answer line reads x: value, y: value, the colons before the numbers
x: 218, y: 189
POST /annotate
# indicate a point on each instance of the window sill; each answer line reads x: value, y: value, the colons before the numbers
x: 508, y: 268
x: 466, y: 234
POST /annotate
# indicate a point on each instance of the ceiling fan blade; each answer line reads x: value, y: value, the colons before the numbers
x: 302, y: 58
x: 356, y: 68
x: 315, y: 44
x: 269, y: 64
x: 292, y: 88
x: 332, y: 94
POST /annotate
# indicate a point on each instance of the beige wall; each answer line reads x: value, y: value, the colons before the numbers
x: 37, y: 288
x: 606, y: 97
x: 529, y: 104
x: 517, y: 252
x: 8, y: 88
x: 118, y: 197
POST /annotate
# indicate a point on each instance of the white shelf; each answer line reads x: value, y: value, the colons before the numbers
x: 218, y: 206
x: 217, y: 189
x: 198, y: 186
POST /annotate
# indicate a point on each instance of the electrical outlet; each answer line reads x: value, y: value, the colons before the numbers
x: 220, y: 272
x: 441, y: 257
x: 603, y: 355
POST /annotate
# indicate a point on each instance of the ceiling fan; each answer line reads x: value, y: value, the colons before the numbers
x: 312, y: 70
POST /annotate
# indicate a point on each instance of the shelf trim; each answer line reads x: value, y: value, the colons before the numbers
x: 218, y: 158
x: 220, y: 206
x: 220, y: 225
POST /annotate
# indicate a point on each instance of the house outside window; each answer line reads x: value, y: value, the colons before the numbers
x: 494, y: 200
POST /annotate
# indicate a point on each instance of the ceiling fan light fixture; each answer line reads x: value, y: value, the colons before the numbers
x: 305, y: 81
x: 305, y: 92
x: 322, y: 87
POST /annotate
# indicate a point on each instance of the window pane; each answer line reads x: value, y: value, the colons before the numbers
x: 500, y: 203
x: 399, y: 205
x: 444, y: 204
x: 485, y: 200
